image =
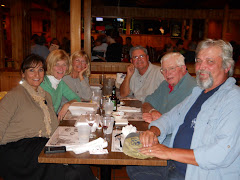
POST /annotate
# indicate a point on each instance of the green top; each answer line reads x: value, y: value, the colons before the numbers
x: 57, y: 94
x: 163, y: 101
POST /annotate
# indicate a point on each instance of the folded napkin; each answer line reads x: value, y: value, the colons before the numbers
x: 79, y: 108
x: 121, y: 122
x: 129, y: 109
x: 94, y: 147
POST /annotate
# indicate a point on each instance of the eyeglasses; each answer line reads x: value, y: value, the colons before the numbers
x: 170, y: 70
x: 138, y: 57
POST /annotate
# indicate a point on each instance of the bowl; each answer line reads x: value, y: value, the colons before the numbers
x: 118, y: 115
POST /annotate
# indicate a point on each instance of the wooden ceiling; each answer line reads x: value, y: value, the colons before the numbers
x: 175, y: 4
x: 164, y: 4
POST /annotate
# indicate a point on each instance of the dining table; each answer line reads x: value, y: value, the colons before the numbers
x: 104, y: 160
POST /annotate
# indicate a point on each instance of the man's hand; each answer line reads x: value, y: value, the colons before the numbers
x: 155, y: 115
x: 149, y: 117
x: 125, y: 86
x: 158, y: 150
x: 148, y: 138
x: 130, y: 70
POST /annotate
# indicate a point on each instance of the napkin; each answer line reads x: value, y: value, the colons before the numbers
x: 94, y: 147
x: 121, y: 122
x: 128, y: 129
x: 129, y: 109
x: 79, y: 108
x: 119, y: 79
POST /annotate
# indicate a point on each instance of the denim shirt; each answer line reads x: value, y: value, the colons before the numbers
x: 216, y: 137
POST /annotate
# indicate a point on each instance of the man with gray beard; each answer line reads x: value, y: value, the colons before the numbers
x: 205, y: 141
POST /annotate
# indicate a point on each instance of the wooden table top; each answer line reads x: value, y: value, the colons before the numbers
x: 112, y: 158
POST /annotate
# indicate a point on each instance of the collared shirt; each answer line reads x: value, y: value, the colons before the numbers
x: 144, y: 85
x: 162, y: 101
x: 216, y: 136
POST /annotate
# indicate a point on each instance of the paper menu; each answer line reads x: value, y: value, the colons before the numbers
x: 64, y: 136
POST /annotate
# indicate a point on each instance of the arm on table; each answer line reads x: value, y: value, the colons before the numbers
x: 150, y: 142
x: 149, y: 113
x: 64, y: 109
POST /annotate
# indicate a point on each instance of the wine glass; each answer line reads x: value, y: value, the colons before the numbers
x: 91, y: 119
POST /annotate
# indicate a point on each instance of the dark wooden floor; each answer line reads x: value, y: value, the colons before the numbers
x: 117, y: 173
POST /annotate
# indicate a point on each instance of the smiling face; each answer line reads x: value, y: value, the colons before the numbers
x: 59, y: 70
x: 78, y: 64
x: 209, y: 70
x: 172, y: 72
x: 34, y: 75
x: 140, y: 60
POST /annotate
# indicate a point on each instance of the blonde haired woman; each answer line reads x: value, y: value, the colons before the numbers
x: 57, y: 67
x: 77, y: 80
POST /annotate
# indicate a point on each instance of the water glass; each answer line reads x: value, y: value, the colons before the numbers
x: 107, y: 124
x: 108, y: 107
x: 83, y: 133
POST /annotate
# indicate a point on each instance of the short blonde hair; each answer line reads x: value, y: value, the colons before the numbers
x: 79, y: 54
x: 54, y: 57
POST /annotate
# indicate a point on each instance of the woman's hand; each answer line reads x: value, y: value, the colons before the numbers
x: 63, y: 111
x: 80, y: 74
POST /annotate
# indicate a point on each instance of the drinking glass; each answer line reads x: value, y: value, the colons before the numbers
x: 107, y: 124
x: 108, y: 107
x: 91, y: 119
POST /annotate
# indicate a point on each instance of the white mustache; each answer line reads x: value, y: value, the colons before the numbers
x: 203, y: 71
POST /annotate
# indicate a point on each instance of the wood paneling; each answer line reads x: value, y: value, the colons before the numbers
x: 75, y: 25
x: 2, y: 52
x: 9, y: 80
x: 132, y: 12
x: 20, y: 30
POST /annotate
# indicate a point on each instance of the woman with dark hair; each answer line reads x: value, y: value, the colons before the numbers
x: 27, y: 121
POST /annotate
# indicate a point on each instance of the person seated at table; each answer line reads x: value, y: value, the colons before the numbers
x: 77, y: 80
x: 142, y: 78
x: 177, y: 86
x: 205, y: 141
x: 114, y: 49
x: 57, y: 67
x: 27, y: 121
x: 99, y: 49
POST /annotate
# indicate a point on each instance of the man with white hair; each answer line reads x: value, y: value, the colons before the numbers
x: 177, y: 86
x: 205, y: 141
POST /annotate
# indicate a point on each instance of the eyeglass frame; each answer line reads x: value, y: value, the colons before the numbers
x: 139, y: 57
x: 170, y: 69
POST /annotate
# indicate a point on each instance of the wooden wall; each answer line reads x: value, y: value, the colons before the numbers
x: 8, y: 80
